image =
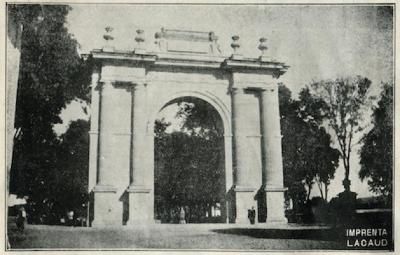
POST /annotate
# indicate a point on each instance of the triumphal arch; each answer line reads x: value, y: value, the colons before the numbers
x: 129, y: 88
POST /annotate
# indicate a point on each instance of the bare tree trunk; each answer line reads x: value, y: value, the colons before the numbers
x: 320, y: 189
x: 326, y: 192
x: 309, y: 191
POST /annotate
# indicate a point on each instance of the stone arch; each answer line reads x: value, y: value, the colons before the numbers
x: 125, y: 147
x: 208, y: 97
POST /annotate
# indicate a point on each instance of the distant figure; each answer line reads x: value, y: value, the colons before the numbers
x: 182, y: 216
x: 21, y: 218
x: 252, y: 215
x: 70, y: 218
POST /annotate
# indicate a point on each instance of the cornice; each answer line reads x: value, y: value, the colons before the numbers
x: 162, y: 59
x: 255, y: 65
x: 126, y: 56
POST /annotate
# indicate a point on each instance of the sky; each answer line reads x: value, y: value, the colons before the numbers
x: 317, y: 42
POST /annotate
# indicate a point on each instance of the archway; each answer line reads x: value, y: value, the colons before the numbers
x: 189, y: 167
x: 130, y: 87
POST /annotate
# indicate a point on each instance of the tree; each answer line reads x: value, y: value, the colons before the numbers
x: 71, y: 174
x: 306, y: 148
x: 344, y: 100
x: 323, y: 158
x: 292, y: 170
x: 376, y: 154
x: 326, y: 161
x: 51, y: 75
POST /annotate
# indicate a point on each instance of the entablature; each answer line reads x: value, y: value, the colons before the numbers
x: 155, y: 59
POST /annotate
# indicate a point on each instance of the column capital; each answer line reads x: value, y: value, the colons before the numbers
x: 139, y: 86
x: 236, y: 90
x: 106, y: 80
x: 103, y: 84
x: 268, y: 89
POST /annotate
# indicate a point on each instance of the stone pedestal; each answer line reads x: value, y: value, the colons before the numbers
x: 105, y: 203
x: 244, y: 201
x: 140, y: 206
x: 275, y: 205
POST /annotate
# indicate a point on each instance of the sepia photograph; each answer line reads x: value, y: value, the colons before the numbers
x: 219, y: 127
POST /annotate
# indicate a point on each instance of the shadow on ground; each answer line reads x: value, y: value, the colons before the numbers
x: 308, y: 234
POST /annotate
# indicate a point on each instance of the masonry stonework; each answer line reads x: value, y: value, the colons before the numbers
x: 129, y: 88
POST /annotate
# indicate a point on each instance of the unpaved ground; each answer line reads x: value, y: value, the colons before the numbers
x: 168, y: 236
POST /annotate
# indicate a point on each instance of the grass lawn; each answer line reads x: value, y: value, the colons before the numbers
x: 168, y: 236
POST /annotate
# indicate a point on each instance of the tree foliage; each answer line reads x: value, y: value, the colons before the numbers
x: 189, y: 164
x: 73, y: 166
x: 344, y: 102
x: 376, y: 154
x: 306, y: 147
x: 52, y: 74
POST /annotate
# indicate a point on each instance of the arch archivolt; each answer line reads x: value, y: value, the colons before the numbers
x: 218, y: 104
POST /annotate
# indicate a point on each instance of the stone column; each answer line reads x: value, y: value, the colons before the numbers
x: 104, y: 192
x: 272, y: 149
x: 228, y: 202
x: 244, y: 192
x: 94, y: 131
x: 140, y: 200
x: 93, y: 140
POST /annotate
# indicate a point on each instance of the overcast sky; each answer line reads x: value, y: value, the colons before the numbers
x: 317, y: 42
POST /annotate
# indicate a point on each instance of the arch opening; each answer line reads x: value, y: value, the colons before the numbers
x: 189, y: 163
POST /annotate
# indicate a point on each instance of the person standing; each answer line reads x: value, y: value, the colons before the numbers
x: 182, y: 216
x: 70, y: 218
x: 252, y: 215
x: 21, y: 219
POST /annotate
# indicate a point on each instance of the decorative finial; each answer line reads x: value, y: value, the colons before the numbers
x: 263, y: 47
x: 108, y: 37
x: 235, y: 46
x: 139, y: 38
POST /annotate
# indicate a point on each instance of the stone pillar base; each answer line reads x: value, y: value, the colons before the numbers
x: 275, y: 205
x: 140, y: 206
x: 105, y: 202
x: 244, y: 201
